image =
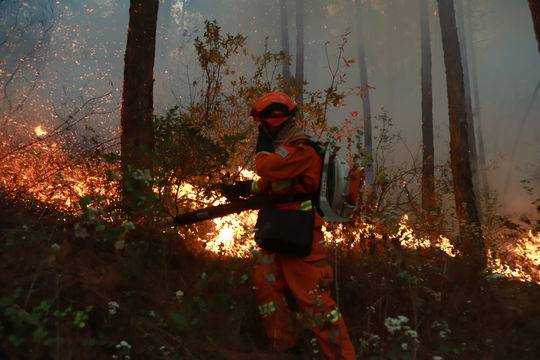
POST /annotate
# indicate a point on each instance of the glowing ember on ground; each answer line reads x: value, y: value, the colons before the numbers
x: 40, y: 131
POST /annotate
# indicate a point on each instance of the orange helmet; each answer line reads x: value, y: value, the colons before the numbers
x: 274, y: 108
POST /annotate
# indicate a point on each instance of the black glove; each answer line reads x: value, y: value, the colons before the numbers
x: 264, y: 141
x: 237, y: 190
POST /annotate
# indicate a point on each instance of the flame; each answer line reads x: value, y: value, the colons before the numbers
x: 40, y: 131
x: 522, y: 262
x: 405, y: 235
x: 407, y: 239
x: 46, y: 173
x: 230, y: 230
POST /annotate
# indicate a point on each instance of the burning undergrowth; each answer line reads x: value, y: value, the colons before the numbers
x: 46, y: 172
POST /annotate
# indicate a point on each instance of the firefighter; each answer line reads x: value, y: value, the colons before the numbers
x: 288, y: 164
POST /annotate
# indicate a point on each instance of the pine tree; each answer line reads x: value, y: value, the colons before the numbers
x: 471, y: 242
x: 137, y: 140
x: 467, y: 87
x: 428, y: 152
x: 366, y: 106
x: 535, y: 12
x: 477, y: 113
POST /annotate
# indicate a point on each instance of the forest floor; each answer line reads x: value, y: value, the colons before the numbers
x: 66, y: 296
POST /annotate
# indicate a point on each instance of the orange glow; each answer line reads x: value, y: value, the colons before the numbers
x: 48, y: 174
x: 40, y: 131
x: 521, y: 262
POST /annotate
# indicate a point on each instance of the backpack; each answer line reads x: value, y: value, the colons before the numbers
x: 340, y: 186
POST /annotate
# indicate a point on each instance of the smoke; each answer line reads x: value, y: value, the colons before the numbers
x: 84, y: 59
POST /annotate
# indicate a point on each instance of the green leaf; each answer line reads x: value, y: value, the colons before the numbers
x: 179, y: 321
x: 15, y: 340
x: 39, y: 334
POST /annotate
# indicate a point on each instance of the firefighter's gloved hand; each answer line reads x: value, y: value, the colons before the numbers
x: 237, y: 190
x: 264, y: 141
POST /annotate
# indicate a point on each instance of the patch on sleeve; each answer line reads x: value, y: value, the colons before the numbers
x: 281, y: 151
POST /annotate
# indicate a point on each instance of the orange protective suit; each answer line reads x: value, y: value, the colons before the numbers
x: 296, y: 168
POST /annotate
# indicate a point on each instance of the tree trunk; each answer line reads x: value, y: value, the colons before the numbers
x: 299, y: 75
x: 428, y: 152
x: 366, y: 106
x: 137, y: 138
x: 471, y: 242
x: 285, y: 38
x: 535, y: 12
x: 467, y: 87
x: 477, y: 115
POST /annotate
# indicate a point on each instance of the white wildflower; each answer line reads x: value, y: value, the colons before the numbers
x: 128, y: 225
x: 404, y: 346
x: 411, y: 333
x: 113, y: 307
x: 403, y: 319
x: 395, y: 324
x: 123, y: 345
x: 55, y: 247
x: 120, y: 245
x: 179, y: 295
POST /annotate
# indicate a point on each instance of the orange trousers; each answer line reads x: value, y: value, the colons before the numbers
x: 309, y: 280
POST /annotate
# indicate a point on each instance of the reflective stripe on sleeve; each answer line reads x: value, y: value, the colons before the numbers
x: 267, y: 308
x: 255, y: 187
x: 333, y: 316
x: 306, y: 205
x: 281, y: 151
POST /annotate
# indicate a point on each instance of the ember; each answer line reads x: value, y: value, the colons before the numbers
x: 40, y: 131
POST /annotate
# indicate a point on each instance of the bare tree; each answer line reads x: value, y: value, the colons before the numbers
x: 471, y: 242
x: 428, y: 152
x: 299, y: 75
x: 535, y: 12
x: 137, y: 102
x: 285, y: 37
x: 366, y: 106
